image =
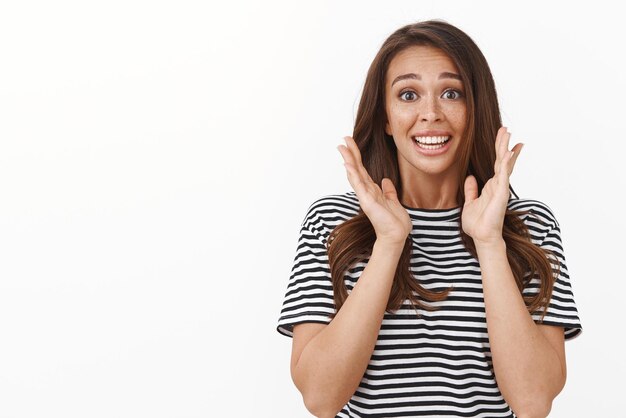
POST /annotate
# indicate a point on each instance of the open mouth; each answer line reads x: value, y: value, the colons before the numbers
x: 431, y: 142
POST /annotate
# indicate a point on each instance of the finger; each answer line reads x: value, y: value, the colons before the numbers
x: 516, y: 149
x: 354, y: 178
x: 505, y: 142
x: 346, y: 154
x: 499, y: 136
x: 348, y: 159
x: 354, y: 148
x: 511, y: 158
x: 505, y: 166
x: 389, y: 190
x: 471, y: 188
x: 503, y: 147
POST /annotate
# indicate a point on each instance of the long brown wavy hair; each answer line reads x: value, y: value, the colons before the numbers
x: 353, y: 240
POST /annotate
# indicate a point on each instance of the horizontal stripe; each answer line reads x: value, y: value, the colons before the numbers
x: 425, y: 363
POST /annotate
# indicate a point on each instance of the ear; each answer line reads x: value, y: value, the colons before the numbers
x: 387, y: 128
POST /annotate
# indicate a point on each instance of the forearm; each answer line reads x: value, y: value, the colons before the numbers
x: 527, y: 368
x: 333, y: 362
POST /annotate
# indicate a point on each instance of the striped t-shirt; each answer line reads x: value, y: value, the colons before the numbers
x: 438, y: 363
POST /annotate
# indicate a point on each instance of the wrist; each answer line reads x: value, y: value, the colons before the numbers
x: 388, y: 247
x: 490, y: 246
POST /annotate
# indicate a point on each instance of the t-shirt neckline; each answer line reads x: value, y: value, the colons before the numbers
x: 432, y: 211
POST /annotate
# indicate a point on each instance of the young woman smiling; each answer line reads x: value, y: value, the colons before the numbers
x: 431, y: 289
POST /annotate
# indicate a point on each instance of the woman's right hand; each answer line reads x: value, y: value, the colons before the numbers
x: 390, y: 219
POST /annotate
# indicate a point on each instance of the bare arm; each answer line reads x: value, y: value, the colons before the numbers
x: 528, y: 359
x: 328, y: 361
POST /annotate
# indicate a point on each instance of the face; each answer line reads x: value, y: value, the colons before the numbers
x: 426, y: 110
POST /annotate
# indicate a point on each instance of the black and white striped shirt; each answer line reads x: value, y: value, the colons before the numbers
x: 437, y: 364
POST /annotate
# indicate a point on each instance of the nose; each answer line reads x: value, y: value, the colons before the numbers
x: 430, y: 111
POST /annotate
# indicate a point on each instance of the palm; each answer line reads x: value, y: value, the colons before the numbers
x: 390, y: 219
x: 483, y: 216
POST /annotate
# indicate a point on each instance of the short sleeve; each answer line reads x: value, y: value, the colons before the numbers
x: 309, y: 295
x: 562, y: 310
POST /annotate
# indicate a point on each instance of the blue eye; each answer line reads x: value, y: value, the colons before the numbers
x: 403, y: 95
x: 452, y: 94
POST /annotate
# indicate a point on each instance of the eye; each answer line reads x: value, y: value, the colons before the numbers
x: 452, y: 94
x: 408, y: 95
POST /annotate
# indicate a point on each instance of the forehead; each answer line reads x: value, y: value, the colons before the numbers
x: 420, y: 59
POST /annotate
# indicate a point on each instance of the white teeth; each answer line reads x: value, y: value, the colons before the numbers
x: 431, y: 139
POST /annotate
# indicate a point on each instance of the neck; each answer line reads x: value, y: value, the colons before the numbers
x: 422, y: 190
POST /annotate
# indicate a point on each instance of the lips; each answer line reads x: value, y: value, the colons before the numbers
x: 432, y: 143
x: 433, y: 140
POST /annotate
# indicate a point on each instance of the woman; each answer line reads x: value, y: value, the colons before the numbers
x: 411, y: 298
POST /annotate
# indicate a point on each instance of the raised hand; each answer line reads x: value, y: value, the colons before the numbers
x: 390, y: 219
x: 483, y: 216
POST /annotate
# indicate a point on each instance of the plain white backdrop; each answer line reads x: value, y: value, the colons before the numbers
x: 157, y: 158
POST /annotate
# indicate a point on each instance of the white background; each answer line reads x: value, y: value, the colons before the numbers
x: 157, y: 158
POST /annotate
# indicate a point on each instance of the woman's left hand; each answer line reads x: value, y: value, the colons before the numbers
x: 483, y: 216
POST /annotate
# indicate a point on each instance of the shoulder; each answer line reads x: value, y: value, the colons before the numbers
x: 326, y: 212
x: 539, y: 211
x: 537, y: 215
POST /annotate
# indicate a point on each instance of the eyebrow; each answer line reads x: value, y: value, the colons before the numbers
x: 414, y: 76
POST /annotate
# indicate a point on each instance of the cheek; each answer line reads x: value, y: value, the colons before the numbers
x: 400, y: 115
x: 457, y: 116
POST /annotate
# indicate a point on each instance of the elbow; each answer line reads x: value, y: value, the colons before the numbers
x: 322, y: 402
x: 322, y: 398
x: 320, y: 406
x: 535, y: 409
x: 537, y: 403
